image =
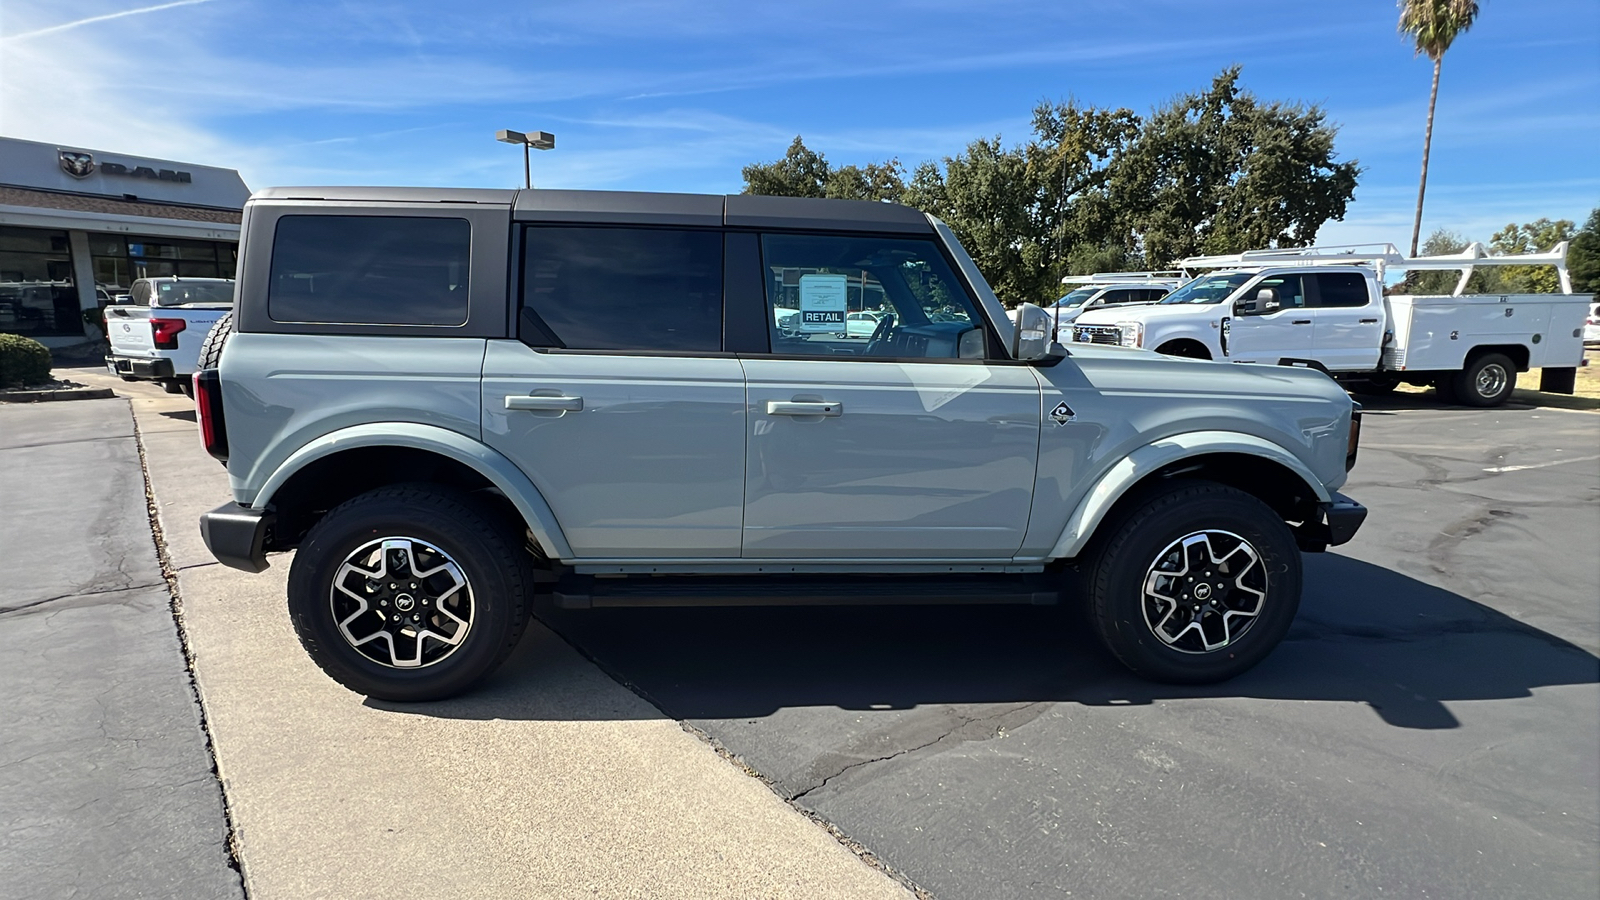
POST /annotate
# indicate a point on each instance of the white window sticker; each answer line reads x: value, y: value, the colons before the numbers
x: 822, y: 302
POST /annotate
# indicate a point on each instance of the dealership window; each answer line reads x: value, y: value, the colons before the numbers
x: 119, y: 260
x: 38, y: 295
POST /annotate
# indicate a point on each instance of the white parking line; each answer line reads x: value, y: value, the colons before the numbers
x: 1555, y: 462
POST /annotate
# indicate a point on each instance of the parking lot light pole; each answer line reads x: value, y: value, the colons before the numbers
x: 537, y: 140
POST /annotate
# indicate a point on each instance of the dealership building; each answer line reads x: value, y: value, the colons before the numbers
x: 77, y: 226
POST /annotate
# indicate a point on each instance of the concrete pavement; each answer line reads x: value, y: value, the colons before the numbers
x: 552, y: 781
x: 106, y: 787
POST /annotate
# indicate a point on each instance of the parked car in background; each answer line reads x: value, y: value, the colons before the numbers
x: 1104, y: 289
x: 862, y: 324
x: 1591, y: 326
x: 1325, y: 308
x: 156, y: 335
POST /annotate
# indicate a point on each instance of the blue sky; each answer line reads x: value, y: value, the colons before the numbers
x: 678, y: 96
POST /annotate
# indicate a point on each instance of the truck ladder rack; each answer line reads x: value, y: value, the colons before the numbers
x: 1385, y: 257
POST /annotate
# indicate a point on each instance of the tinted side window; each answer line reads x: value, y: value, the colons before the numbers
x: 622, y: 289
x: 1342, y: 289
x: 370, y: 270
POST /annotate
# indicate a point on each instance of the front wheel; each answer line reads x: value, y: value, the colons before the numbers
x: 1486, y: 381
x: 1196, y: 584
x: 409, y: 593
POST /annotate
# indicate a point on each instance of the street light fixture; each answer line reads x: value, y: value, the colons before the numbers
x: 538, y: 140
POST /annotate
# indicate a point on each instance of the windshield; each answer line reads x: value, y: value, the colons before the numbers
x: 176, y: 293
x: 1209, y: 289
x: 1077, y: 297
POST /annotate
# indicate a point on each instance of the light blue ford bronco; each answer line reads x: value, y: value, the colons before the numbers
x: 450, y: 403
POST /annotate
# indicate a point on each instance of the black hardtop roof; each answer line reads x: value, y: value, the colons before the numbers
x: 642, y: 207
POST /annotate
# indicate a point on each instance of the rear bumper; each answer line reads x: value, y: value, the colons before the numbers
x: 236, y: 534
x: 149, y: 369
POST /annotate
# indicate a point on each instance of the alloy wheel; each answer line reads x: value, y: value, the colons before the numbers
x: 402, y: 602
x: 1204, y: 591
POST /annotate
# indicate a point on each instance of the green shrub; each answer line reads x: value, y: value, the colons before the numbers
x: 23, y: 361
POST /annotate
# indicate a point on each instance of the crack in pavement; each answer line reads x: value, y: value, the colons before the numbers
x: 5, y: 610
x: 966, y: 722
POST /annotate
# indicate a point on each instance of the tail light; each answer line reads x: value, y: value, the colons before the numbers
x: 208, y: 403
x: 166, y: 332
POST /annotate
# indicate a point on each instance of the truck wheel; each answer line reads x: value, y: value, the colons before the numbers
x: 172, y: 387
x: 409, y: 593
x: 1196, y: 584
x: 1487, y: 380
x: 211, y: 348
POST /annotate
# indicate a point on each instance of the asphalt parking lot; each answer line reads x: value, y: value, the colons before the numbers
x: 1431, y: 727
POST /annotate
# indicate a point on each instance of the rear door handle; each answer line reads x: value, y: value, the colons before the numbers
x: 1369, y: 321
x: 1301, y: 322
x: 567, y: 404
x: 804, y: 408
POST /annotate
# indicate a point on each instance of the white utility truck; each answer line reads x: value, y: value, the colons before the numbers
x: 1325, y: 308
x: 156, y: 335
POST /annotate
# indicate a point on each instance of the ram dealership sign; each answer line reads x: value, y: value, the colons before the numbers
x: 76, y: 170
x: 81, y: 165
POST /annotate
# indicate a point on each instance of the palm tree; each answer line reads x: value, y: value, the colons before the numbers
x: 1435, y: 24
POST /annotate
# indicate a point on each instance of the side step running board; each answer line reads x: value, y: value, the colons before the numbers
x: 589, y: 592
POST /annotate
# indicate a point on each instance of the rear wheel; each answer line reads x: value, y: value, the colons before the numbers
x: 172, y: 387
x: 1196, y: 584
x: 409, y: 593
x: 1488, y: 380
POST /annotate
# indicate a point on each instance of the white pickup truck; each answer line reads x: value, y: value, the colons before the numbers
x: 156, y: 335
x: 1325, y: 308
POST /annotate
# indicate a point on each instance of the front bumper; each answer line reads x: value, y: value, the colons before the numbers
x: 148, y: 369
x: 1338, y: 521
x: 236, y: 534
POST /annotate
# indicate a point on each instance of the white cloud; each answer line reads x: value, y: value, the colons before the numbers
x: 106, y: 17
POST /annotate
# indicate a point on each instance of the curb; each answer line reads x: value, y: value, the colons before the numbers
x: 82, y: 393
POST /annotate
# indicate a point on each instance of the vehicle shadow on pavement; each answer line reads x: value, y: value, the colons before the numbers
x: 1364, y: 633
x: 1521, y: 399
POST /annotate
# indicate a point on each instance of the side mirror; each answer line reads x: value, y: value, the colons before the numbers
x: 1265, y: 301
x: 1032, y: 338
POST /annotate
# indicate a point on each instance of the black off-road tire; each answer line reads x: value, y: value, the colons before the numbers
x: 1488, y: 380
x: 1118, y: 572
x: 211, y: 348
x: 488, y: 553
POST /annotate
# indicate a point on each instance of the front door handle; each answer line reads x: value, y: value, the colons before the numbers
x: 563, y: 404
x: 1369, y: 321
x: 804, y: 408
x: 1301, y: 322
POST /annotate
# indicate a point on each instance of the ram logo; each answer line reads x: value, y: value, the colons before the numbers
x: 78, y: 165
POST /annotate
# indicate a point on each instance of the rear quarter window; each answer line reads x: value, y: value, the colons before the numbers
x: 370, y: 270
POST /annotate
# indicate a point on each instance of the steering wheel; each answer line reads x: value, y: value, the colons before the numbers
x: 879, y: 335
